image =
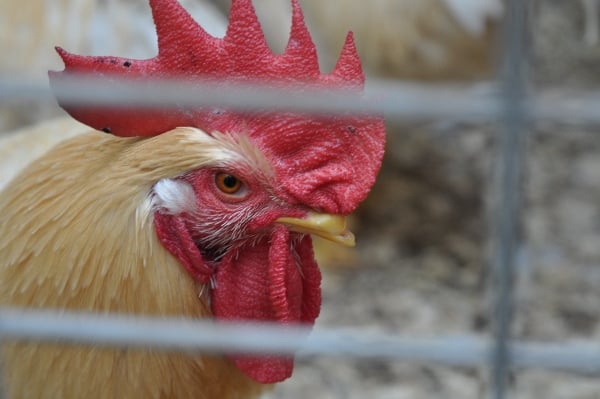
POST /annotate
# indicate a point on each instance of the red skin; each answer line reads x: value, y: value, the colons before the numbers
x: 325, y: 163
x: 187, y: 52
x: 266, y: 273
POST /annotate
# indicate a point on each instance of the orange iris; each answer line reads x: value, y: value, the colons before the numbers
x: 227, y: 183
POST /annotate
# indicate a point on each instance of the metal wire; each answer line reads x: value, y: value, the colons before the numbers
x: 178, y: 334
x: 506, y: 220
x: 398, y: 101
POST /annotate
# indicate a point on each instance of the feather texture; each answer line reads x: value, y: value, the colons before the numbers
x: 79, y: 236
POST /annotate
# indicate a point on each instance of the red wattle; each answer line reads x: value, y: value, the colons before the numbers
x: 275, y: 281
x: 175, y: 237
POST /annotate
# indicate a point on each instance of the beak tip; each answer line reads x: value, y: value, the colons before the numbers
x: 348, y: 239
x: 329, y: 227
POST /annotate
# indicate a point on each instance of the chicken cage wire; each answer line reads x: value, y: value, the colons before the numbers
x: 511, y: 107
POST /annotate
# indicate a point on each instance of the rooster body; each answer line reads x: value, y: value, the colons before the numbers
x: 213, y: 219
x: 20, y: 147
x: 109, y: 261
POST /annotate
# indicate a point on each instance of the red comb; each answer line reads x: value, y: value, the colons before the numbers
x: 328, y: 163
x: 186, y: 51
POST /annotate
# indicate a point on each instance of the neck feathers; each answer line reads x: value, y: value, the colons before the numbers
x: 78, y: 234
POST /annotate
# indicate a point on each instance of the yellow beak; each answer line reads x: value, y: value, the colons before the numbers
x: 330, y: 227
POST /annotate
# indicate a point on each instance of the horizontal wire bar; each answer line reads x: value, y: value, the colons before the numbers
x: 179, y: 334
x: 396, y: 100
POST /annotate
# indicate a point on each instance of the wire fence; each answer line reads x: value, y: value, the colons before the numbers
x: 398, y: 101
x: 187, y: 335
x: 508, y: 103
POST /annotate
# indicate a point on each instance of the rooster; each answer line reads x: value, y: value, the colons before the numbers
x: 195, y: 212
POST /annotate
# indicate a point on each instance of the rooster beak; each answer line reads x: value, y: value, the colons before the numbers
x: 330, y: 227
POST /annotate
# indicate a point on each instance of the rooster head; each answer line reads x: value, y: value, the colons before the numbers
x: 269, y: 179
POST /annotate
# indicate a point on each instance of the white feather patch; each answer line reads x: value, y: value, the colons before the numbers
x: 174, y: 196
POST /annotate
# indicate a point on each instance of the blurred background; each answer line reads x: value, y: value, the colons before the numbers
x: 421, y: 266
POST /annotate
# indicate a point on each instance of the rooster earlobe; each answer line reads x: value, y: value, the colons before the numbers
x: 301, y: 50
x: 348, y: 68
x: 176, y: 30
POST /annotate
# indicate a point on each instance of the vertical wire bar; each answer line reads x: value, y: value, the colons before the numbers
x: 506, y: 217
x: 3, y: 389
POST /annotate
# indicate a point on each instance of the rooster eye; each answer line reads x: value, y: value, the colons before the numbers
x: 227, y: 183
